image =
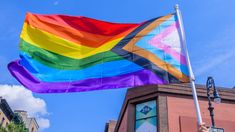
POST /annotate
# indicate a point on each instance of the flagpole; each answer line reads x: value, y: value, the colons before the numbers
x: 191, y: 75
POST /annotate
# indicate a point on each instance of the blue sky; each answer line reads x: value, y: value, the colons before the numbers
x: 210, y: 33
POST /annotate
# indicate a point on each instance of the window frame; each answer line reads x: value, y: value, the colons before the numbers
x: 157, y: 111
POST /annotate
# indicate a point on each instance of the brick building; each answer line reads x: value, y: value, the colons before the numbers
x: 110, y: 126
x: 7, y: 116
x: 170, y: 108
x: 30, y: 122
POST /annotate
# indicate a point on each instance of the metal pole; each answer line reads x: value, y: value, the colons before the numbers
x: 191, y: 75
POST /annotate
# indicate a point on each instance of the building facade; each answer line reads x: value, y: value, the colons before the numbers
x: 110, y: 126
x: 170, y: 108
x: 7, y: 116
x: 30, y: 123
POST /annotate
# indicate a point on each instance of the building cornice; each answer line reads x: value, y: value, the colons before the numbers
x: 6, y: 109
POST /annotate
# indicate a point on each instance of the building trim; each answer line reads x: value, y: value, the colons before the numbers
x: 162, y: 114
x: 6, y: 109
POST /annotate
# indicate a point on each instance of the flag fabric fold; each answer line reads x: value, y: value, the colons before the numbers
x: 61, y: 53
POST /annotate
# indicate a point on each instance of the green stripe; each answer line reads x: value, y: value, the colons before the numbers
x: 61, y: 62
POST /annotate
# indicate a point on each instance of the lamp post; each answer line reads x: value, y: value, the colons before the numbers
x: 210, y: 84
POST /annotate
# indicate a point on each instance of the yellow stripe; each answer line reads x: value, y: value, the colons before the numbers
x: 61, y: 46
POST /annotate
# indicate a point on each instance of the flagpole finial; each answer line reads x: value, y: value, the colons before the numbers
x: 176, y: 6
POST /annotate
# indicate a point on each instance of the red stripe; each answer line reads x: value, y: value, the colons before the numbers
x: 87, y: 24
x: 69, y: 33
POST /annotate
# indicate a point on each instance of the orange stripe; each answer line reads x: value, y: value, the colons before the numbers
x: 158, y: 62
x: 72, y: 34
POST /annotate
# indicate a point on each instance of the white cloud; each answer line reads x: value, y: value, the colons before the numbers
x: 20, y: 98
x: 44, y: 123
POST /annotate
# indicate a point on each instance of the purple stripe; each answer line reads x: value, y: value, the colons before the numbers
x: 138, y: 78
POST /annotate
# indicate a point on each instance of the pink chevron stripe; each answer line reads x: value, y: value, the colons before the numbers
x: 156, y: 42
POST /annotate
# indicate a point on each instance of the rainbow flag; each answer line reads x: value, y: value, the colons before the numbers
x: 61, y: 53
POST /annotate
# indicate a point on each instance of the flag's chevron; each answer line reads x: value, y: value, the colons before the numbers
x: 153, y: 61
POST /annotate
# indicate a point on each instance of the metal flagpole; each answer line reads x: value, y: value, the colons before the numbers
x: 191, y: 75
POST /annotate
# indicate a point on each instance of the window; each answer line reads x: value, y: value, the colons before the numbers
x: 32, y: 129
x: 146, y: 117
x: 2, y: 122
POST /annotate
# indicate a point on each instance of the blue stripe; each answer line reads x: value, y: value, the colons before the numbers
x: 47, y: 74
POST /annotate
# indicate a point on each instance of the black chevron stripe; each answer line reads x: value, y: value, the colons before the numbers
x: 143, y: 62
